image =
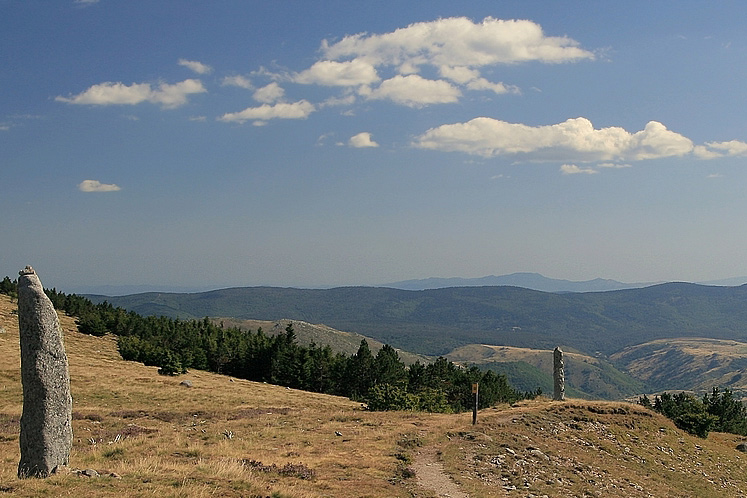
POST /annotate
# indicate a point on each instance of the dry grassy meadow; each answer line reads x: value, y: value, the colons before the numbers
x: 147, y: 435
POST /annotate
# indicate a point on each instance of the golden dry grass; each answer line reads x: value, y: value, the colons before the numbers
x: 159, y: 438
x: 164, y: 439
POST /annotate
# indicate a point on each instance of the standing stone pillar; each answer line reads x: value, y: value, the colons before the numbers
x: 46, y: 424
x: 558, y: 375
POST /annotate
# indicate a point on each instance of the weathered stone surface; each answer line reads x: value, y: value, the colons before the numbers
x: 46, y: 424
x: 558, y: 375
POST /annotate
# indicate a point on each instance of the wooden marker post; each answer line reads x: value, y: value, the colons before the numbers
x: 475, y: 389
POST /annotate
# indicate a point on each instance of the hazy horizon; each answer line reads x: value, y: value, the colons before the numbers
x: 121, y: 290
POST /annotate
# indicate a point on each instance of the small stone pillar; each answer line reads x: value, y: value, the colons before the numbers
x: 558, y: 375
x: 46, y: 424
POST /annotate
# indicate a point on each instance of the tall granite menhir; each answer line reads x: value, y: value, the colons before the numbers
x: 46, y: 423
x: 558, y: 375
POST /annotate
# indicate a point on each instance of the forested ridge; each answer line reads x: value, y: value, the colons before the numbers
x: 434, y: 322
x: 382, y: 381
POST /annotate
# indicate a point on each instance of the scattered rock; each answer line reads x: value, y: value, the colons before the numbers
x: 186, y: 383
x: 46, y: 424
x: 742, y: 447
x: 539, y: 454
x: 90, y: 473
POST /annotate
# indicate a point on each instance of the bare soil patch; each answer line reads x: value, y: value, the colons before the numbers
x: 430, y: 475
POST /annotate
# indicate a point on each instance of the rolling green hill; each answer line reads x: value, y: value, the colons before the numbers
x: 434, y: 322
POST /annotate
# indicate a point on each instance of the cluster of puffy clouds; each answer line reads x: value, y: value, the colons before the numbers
x: 167, y: 95
x: 574, y: 140
x: 430, y: 63
x: 390, y: 66
x: 367, y: 67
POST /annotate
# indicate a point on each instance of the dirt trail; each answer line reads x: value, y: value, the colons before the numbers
x: 430, y: 475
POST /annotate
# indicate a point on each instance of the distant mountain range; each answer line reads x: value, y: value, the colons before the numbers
x: 526, y: 280
x: 533, y: 281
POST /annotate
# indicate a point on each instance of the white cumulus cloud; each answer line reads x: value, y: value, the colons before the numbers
x: 238, y: 80
x: 362, y: 139
x: 97, y: 186
x: 196, y: 66
x: 415, y: 91
x: 167, y: 95
x: 574, y: 140
x: 459, y: 74
x: 458, y: 41
x: 171, y: 96
x: 499, y: 88
x: 269, y: 94
x: 472, y: 80
x: 333, y: 73
x: 721, y: 149
x: 281, y: 110
x: 572, y: 169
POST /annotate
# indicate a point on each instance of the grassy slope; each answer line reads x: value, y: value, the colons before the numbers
x: 172, y: 443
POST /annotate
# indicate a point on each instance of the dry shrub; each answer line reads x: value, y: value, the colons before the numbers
x: 9, y: 423
x: 129, y: 414
x: 94, y: 417
x: 298, y: 470
x: 135, y: 430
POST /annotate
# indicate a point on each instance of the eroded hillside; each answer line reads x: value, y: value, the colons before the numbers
x: 696, y: 364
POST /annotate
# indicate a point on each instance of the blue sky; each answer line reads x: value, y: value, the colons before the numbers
x: 295, y: 143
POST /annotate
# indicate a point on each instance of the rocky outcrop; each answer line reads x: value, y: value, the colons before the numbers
x: 46, y: 424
